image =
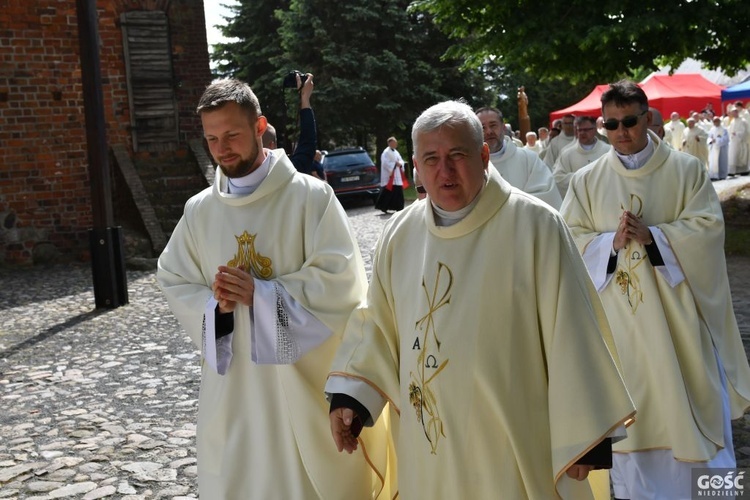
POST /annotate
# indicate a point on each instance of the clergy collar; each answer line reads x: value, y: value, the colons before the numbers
x: 445, y: 218
x: 499, y: 154
x: 637, y: 160
x: 249, y: 183
x: 588, y: 147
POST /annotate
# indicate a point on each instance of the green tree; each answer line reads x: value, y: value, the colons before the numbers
x: 255, y: 55
x: 594, y: 41
x: 376, y: 67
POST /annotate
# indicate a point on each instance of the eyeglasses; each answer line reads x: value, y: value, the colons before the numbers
x: 421, y: 190
x: 627, y: 122
x: 586, y: 129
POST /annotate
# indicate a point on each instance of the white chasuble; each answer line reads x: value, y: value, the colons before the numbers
x: 489, y: 339
x: 666, y: 334
x: 556, y: 146
x: 263, y: 429
x: 524, y: 169
x: 573, y: 159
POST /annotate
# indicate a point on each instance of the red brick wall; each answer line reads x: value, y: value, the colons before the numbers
x: 191, y: 62
x: 45, y: 196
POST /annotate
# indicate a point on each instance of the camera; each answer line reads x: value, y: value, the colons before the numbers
x: 290, y: 80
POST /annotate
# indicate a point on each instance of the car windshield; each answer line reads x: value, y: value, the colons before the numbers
x: 345, y: 161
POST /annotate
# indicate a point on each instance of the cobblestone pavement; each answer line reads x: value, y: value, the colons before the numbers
x: 97, y: 404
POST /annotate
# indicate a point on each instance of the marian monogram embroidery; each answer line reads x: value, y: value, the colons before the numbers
x: 421, y: 396
x: 249, y: 260
x: 626, y: 277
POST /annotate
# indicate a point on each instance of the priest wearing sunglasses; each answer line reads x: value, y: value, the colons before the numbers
x: 650, y: 227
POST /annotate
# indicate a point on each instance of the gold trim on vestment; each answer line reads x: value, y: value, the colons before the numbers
x: 249, y: 260
x: 627, y: 421
x: 421, y: 396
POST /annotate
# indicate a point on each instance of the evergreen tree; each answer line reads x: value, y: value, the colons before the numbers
x: 255, y: 55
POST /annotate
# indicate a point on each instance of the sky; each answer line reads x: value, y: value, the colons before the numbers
x: 214, y: 10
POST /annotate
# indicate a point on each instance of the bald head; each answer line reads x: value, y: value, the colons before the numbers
x: 657, y: 122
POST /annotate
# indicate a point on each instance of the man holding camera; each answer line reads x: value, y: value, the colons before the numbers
x: 303, y: 157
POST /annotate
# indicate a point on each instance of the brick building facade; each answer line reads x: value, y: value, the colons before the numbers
x: 45, y: 194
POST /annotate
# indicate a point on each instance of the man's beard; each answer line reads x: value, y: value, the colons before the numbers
x: 497, y: 146
x: 241, y: 169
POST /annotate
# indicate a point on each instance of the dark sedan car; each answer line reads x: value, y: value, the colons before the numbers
x: 351, y: 171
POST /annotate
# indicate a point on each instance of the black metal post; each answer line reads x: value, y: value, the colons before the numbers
x: 105, y: 241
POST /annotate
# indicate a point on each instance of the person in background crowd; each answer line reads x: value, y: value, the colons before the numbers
x: 718, y: 154
x: 543, y: 136
x: 511, y: 134
x: 696, y: 141
x: 560, y: 142
x: 532, y: 143
x: 304, y: 150
x: 392, y: 177
x: 657, y: 123
x: 739, y: 149
x: 585, y: 150
x: 676, y: 130
x: 520, y: 167
x: 317, y: 166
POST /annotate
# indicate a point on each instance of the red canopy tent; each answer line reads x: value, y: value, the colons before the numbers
x: 682, y: 92
x: 591, y: 105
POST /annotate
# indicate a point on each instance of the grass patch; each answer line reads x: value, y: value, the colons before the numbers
x: 410, y: 194
x: 737, y: 241
x: 737, y: 223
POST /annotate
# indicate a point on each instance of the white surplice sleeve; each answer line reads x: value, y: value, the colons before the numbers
x: 596, y: 256
x: 282, y: 330
x: 671, y: 269
x: 359, y: 390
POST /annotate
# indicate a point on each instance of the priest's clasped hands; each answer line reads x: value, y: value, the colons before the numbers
x: 232, y: 286
x: 631, y: 227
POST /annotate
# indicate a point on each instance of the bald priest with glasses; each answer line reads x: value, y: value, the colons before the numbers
x: 649, y: 225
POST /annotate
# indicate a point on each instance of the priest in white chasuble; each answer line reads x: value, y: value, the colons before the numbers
x: 586, y: 149
x: 649, y: 225
x: 262, y: 272
x: 521, y: 167
x: 482, y: 329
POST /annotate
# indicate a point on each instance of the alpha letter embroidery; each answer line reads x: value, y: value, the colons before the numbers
x: 626, y: 277
x: 249, y: 260
x: 421, y: 396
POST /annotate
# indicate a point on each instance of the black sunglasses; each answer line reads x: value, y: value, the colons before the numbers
x: 627, y: 122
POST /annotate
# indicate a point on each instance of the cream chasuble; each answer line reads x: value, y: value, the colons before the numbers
x: 696, y: 143
x: 489, y: 339
x: 573, y: 159
x: 739, y: 151
x: 523, y: 169
x: 263, y: 429
x: 555, y: 147
x: 666, y: 335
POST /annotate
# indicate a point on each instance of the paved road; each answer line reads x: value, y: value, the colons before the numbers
x: 98, y: 404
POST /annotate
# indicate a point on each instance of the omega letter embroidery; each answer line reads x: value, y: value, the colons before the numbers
x: 421, y: 396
